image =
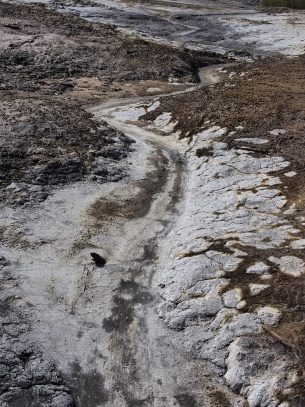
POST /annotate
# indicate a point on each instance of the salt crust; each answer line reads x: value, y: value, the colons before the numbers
x: 230, y: 199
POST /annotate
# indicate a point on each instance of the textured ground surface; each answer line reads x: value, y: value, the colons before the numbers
x: 196, y: 200
x: 49, y: 64
x: 232, y: 277
x: 221, y: 26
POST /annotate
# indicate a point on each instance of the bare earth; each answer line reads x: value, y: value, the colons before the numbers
x: 192, y: 191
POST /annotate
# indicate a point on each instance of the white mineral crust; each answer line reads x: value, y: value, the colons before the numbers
x: 230, y: 206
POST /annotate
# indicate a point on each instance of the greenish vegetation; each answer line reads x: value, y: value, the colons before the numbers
x: 299, y: 4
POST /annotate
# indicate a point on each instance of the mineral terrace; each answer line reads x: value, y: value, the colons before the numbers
x: 168, y: 138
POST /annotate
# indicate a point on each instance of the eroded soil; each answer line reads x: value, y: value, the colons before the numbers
x: 50, y: 63
x: 253, y: 100
x: 72, y: 182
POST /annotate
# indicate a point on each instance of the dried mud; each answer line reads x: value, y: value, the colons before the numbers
x: 251, y: 101
x: 51, y: 64
x: 259, y: 97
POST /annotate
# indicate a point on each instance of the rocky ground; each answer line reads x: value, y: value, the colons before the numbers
x: 49, y: 64
x: 256, y: 111
x: 240, y: 232
x: 195, y: 200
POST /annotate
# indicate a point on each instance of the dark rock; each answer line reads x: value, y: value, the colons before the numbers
x: 99, y: 260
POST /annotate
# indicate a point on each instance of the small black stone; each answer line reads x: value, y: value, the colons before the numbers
x: 99, y: 260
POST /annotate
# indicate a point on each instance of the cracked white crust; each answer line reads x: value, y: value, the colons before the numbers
x: 231, y: 198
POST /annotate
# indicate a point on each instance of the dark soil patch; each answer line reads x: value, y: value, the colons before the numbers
x: 45, y: 142
x: 87, y: 388
x: 269, y: 96
x: 42, y: 45
x: 105, y: 211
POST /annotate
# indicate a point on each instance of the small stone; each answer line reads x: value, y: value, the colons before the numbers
x: 164, y: 308
x: 290, y: 210
x: 290, y: 174
x: 257, y: 288
x: 289, y: 265
x: 241, y: 304
x: 265, y: 276
x: 254, y: 140
x: 99, y: 260
x: 298, y: 244
x: 277, y: 132
x: 268, y: 315
x: 258, y: 268
x: 13, y: 185
x: 232, y: 297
